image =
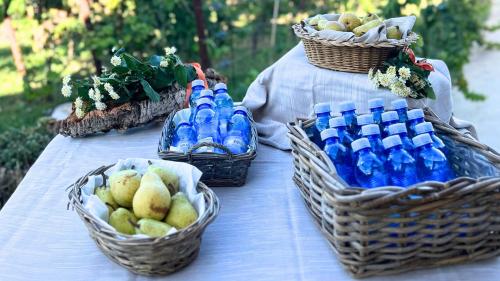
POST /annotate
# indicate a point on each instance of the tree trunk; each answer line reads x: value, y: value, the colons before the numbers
x: 84, y: 16
x: 17, y: 55
x: 200, y: 29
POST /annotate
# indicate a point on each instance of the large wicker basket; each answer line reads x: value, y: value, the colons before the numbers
x: 226, y: 169
x: 387, y: 230
x: 348, y: 56
x: 146, y: 256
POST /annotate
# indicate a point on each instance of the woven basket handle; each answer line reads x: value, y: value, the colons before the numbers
x: 209, y: 144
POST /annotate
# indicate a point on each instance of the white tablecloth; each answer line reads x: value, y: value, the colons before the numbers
x: 263, y: 231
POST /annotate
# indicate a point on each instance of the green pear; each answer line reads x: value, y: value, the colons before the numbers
x: 369, y: 18
x: 361, y: 30
x: 314, y: 20
x: 152, y: 199
x: 105, y: 195
x: 123, y: 185
x: 152, y: 228
x: 350, y: 21
x: 321, y: 24
x: 168, y: 177
x: 393, y: 32
x: 181, y: 213
x: 123, y: 221
x: 334, y: 25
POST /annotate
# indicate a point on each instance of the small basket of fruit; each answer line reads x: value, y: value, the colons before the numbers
x: 401, y: 203
x: 345, y: 42
x: 146, y: 215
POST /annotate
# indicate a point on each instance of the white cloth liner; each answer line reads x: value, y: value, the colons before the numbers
x: 188, y: 180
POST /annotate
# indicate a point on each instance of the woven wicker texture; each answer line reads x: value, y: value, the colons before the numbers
x: 147, y: 256
x: 225, y: 169
x: 387, y: 230
x: 348, y: 56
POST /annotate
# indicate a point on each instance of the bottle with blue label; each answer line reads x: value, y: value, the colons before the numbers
x: 369, y: 170
x: 432, y: 164
x: 348, y: 111
x: 415, y: 117
x: 376, y: 108
x: 184, y: 137
x: 239, y: 131
x: 322, y: 111
x: 400, y: 166
x: 362, y: 120
x: 224, y: 106
x: 206, y: 124
x: 339, y: 124
x: 372, y: 133
x: 196, y: 87
x: 400, y: 130
x: 340, y: 155
x: 401, y: 107
x: 427, y: 128
x: 389, y: 118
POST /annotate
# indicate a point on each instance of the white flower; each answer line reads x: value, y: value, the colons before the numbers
x: 66, y: 90
x: 391, y: 71
x: 170, y: 50
x: 164, y: 63
x: 100, y: 105
x: 405, y: 73
x: 96, y: 80
x: 66, y: 79
x: 109, y: 88
x: 91, y: 94
x: 400, y: 89
x: 98, y: 95
x: 385, y: 80
x: 78, y: 103
x: 116, y: 60
x: 79, y: 113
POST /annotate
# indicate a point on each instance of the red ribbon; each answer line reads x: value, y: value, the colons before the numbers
x: 421, y: 63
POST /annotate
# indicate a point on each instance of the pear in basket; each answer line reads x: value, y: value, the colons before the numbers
x: 393, y: 32
x: 123, y: 221
x: 123, y: 186
x: 169, y: 178
x: 350, y: 21
x: 334, y: 25
x: 152, y: 228
x: 315, y: 20
x: 369, y: 18
x: 361, y: 30
x: 181, y: 213
x: 321, y: 24
x: 106, y: 197
x: 152, y: 199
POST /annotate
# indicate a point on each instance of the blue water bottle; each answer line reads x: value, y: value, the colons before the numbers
x: 400, y: 130
x: 362, y: 120
x: 196, y: 87
x: 348, y: 111
x: 369, y: 170
x: 184, y: 137
x: 240, y: 121
x: 376, y: 108
x: 224, y: 105
x: 432, y: 164
x: 388, y: 118
x: 322, y: 111
x: 415, y: 117
x: 401, y: 107
x: 339, y: 124
x: 427, y: 128
x: 206, y: 124
x: 238, y: 135
x: 207, y: 93
x: 372, y: 133
x: 340, y: 155
x: 400, y: 166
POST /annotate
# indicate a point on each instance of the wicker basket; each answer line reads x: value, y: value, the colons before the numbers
x: 147, y: 256
x: 387, y: 230
x: 348, y: 56
x: 218, y: 169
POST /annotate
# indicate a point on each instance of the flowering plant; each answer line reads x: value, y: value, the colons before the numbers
x: 128, y: 79
x: 405, y: 76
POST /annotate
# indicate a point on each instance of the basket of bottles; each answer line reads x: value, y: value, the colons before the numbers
x: 212, y: 134
x: 397, y: 190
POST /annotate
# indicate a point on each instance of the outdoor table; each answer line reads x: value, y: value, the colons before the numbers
x: 263, y: 231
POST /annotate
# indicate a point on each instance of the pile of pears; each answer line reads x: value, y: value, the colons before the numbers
x: 150, y: 204
x: 349, y: 22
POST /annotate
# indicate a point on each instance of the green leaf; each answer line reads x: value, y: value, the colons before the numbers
x: 191, y: 73
x: 134, y: 64
x: 181, y: 75
x: 161, y: 79
x: 120, y: 70
x: 150, y: 92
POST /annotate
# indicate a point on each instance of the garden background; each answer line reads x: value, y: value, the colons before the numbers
x: 43, y: 40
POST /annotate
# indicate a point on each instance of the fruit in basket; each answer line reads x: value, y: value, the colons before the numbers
x: 369, y: 18
x: 334, y: 25
x: 321, y: 24
x: 105, y: 195
x: 152, y: 228
x: 123, y: 221
x: 314, y: 20
x: 168, y: 177
x: 393, y: 32
x: 152, y: 199
x: 181, y: 213
x: 361, y: 30
x: 350, y: 21
x: 123, y: 186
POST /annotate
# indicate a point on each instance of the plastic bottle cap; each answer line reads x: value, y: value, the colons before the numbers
x: 322, y: 107
x: 241, y: 108
x: 391, y: 141
x: 389, y: 116
x: 206, y: 93
x: 422, y: 139
x: 347, y: 106
x: 198, y: 82
x: 329, y: 133
x: 360, y: 144
x: 400, y: 103
x: 415, y: 114
x: 374, y: 103
x: 423, y: 128
x: 203, y: 101
x: 369, y: 130
x: 397, y: 129
x: 219, y: 86
x: 337, y: 122
x: 365, y: 119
